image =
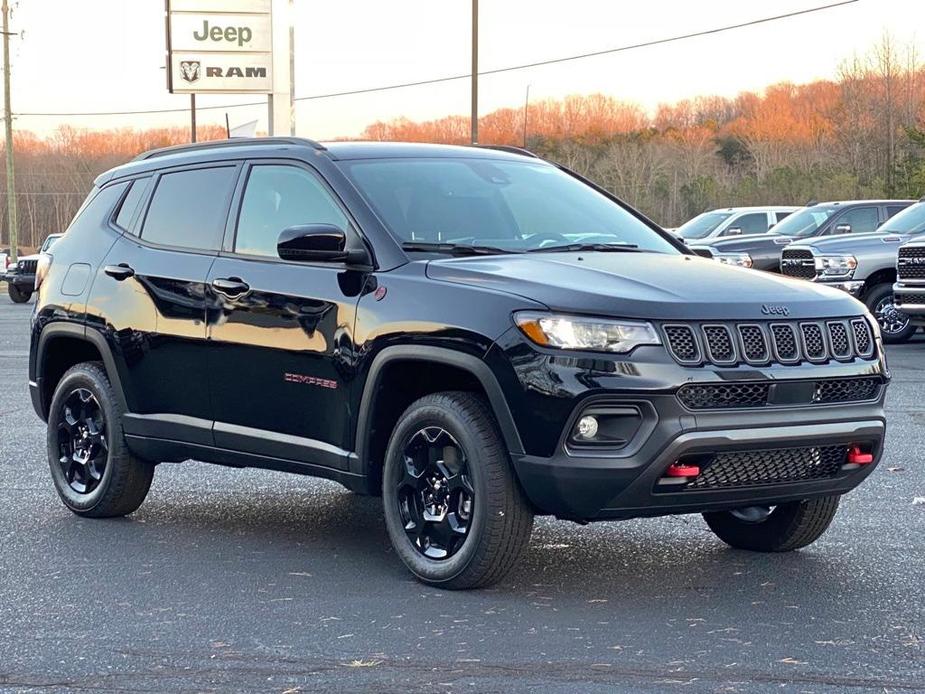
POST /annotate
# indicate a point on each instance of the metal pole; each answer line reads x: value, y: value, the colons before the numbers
x: 192, y: 117
x: 8, y: 130
x: 475, y: 72
x: 526, y: 107
x: 292, y: 67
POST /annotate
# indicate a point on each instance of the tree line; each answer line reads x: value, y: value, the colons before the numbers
x: 859, y: 135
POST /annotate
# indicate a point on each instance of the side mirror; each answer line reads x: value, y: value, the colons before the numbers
x: 307, y: 243
x: 733, y: 231
x: 842, y: 228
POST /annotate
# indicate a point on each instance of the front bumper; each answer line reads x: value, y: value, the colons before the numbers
x: 19, y: 280
x: 853, y: 287
x: 910, y: 299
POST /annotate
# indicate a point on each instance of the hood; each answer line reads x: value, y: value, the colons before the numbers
x: 645, y: 285
x: 738, y: 244
x: 849, y: 244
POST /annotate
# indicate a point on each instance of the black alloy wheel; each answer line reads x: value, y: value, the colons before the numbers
x: 435, y: 493
x: 82, y: 441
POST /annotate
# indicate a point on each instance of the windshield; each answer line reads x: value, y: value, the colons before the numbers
x: 910, y: 221
x: 500, y: 206
x: 700, y: 226
x: 804, y: 222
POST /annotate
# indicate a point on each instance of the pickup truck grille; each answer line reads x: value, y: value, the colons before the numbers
x: 798, y: 262
x: 27, y: 267
x: 900, y: 300
x: 759, y: 344
x: 724, y: 396
x: 769, y: 466
x: 910, y: 265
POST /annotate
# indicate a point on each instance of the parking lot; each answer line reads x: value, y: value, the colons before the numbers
x: 250, y: 580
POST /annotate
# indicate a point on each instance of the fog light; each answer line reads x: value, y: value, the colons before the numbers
x: 587, y: 427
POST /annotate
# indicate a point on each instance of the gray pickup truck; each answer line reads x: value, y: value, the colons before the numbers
x: 909, y: 289
x: 864, y: 265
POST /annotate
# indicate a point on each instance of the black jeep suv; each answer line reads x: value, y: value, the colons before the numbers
x: 475, y: 333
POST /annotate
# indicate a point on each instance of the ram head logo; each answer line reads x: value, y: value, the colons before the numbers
x: 189, y: 70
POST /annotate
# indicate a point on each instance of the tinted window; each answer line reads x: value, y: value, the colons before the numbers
x: 894, y: 209
x: 754, y: 223
x: 188, y: 208
x: 277, y: 197
x: 781, y: 216
x: 510, y: 205
x: 804, y: 222
x: 861, y: 219
x: 97, y: 208
x: 700, y: 226
x: 130, y: 203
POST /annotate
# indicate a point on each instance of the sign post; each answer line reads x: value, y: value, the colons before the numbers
x: 231, y: 47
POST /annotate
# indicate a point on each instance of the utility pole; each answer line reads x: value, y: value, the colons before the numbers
x: 8, y: 128
x: 475, y: 72
x: 292, y: 67
x: 526, y: 108
x: 192, y: 117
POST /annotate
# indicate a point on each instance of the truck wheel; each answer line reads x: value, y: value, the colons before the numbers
x: 19, y: 296
x: 785, y: 528
x: 454, y: 511
x: 93, y: 471
x: 895, y: 326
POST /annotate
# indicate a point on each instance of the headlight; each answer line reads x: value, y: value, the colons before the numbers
x: 590, y: 334
x: 836, y: 265
x: 740, y: 259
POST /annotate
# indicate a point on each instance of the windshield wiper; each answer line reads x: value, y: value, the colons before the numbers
x: 455, y: 249
x: 602, y: 247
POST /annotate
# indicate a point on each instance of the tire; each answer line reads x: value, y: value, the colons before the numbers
x: 19, y: 296
x: 788, y: 527
x: 880, y: 302
x: 114, y: 481
x: 499, y: 519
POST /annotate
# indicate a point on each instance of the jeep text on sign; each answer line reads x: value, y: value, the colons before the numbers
x: 220, y: 32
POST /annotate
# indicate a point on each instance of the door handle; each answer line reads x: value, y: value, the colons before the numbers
x: 119, y: 272
x: 230, y: 286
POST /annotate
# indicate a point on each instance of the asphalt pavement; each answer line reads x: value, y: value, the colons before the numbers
x: 246, y: 580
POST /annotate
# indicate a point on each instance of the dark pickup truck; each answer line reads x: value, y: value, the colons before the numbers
x: 476, y: 334
x: 763, y: 251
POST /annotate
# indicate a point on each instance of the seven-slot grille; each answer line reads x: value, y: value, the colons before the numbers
x: 798, y: 262
x: 909, y: 300
x: 27, y: 266
x: 769, y: 466
x: 910, y: 265
x: 724, y: 344
x: 724, y: 396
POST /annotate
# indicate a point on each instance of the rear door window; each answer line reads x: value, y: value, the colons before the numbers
x: 189, y: 208
x: 130, y: 203
x: 781, y: 216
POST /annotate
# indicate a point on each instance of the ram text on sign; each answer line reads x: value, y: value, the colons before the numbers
x: 193, y: 72
x: 226, y: 33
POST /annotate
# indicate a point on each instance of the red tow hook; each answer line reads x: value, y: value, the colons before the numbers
x: 682, y: 470
x: 858, y: 457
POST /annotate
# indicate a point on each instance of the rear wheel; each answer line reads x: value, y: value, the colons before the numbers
x: 18, y: 294
x: 895, y: 326
x: 93, y: 471
x: 781, y: 528
x: 454, y: 511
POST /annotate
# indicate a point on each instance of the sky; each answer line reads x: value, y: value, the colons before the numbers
x: 108, y: 55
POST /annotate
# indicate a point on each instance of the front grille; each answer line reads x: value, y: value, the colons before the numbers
x: 863, y: 340
x: 724, y: 396
x: 720, y: 347
x: 682, y: 343
x: 838, y: 340
x: 28, y: 266
x: 754, y: 345
x: 769, y: 466
x: 910, y: 265
x: 834, y: 390
x: 909, y: 300
x: 813, y: 342
x: 785, y: 343
x: 798, y: 262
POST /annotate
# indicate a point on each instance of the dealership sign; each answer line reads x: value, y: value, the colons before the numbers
x: 219, y: 46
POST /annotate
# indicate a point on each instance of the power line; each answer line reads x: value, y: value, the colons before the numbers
x: 452, y: 78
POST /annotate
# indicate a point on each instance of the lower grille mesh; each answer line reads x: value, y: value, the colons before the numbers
x: 909, y: 299
x: 770, y: 466
x: 722, y: 396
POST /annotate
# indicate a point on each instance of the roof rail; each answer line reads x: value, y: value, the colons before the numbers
x: 811, y: 203
x: 511, y: 149
x: 231, y: 142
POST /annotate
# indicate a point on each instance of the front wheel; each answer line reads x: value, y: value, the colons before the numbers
x: 895, y: 326
x: 782, y: 528
x: 18, y: 295
x: 454, y: 510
